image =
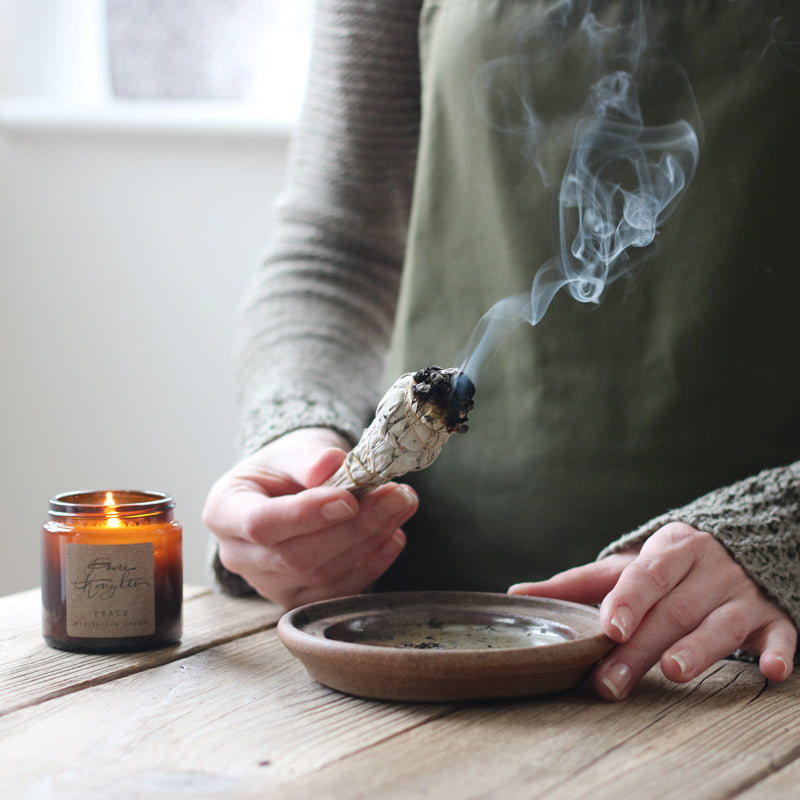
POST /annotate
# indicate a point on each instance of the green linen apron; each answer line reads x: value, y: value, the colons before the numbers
x: 684, y: 377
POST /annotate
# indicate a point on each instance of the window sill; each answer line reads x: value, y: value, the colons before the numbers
x: 144, y: 118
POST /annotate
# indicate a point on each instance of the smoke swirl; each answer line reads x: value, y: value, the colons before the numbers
x: 624, y: 177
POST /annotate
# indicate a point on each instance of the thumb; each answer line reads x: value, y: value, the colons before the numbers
x: 323, y: 466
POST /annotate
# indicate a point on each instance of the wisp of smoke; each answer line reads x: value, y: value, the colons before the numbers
x: 623, y: 179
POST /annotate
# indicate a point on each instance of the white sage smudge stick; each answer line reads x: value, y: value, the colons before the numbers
x: 413, y: 422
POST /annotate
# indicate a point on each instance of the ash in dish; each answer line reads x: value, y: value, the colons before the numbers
x: 436, y: 635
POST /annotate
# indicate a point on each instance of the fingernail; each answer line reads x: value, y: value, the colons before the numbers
x: 394, y: 544
x: 684, y: 659
x: 616, y: 679
x: 399, y: 499
x: 336, y: 510
x: 786, y: 668
x: 622, y: 621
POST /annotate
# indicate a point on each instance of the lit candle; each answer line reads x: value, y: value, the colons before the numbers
x: 112, y: 575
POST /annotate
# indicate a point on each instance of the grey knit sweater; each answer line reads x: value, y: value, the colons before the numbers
x: 317, y: 318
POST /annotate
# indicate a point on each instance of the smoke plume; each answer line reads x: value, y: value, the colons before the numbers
x: 627, y: 169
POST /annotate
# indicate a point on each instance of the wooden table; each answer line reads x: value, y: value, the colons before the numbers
x: 231, y: 714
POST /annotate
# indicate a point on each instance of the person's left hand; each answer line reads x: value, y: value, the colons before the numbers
x: 681, y: 599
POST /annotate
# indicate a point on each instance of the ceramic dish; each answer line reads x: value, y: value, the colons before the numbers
x: 445, y: 646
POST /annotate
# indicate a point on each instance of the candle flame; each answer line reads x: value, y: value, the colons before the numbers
x: 112, y: 522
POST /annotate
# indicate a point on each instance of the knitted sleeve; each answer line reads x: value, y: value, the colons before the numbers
x: 758, y: 521
x: 317, y: 315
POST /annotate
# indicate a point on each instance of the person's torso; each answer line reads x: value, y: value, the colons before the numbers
x: 684, y: 376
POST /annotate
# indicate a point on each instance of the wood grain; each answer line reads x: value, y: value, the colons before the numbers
x: 241, y: 717
x: 231, y: 714
x: 31, y: 672
x: 781, y: 785
x: 666, y: 741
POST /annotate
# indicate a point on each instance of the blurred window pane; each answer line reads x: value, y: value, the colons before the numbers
x: 252, y: 51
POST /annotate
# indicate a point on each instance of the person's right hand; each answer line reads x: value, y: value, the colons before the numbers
x: 296, y: 541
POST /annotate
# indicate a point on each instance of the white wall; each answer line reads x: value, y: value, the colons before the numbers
x: 123, y: 257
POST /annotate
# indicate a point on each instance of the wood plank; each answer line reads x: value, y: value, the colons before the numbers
x: 31, y: 672
x: 781, y: 785
x: 732, y: 740
x: 710, y: 738
x: 239, y: 720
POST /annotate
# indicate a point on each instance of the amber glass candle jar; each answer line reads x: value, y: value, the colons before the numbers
x: 112, y: 571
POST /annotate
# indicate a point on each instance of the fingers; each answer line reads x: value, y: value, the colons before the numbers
x: 685, y: 631
x: 324, y: 466
x: 347, y: 573
x: 683, y: 601
x: 725, y: 630
x: 352, y: 571
x: 715, y: 637
x: 686, y: 603
x: 242, y: 513
x: 299, y: 550
x: 586, y: 584
x: 661, y: 565
x: 319, y: 543
x: 291, y: 537
x: 777, y: 654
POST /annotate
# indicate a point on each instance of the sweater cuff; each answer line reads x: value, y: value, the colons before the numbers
x: 271, y: 418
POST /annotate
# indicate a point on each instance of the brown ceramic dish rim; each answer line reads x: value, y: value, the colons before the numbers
x: 303, y: 628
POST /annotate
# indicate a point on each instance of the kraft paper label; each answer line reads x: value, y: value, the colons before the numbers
x: 110, y: 590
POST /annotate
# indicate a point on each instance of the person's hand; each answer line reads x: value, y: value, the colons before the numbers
x: 680, y: 599
x: 295, y: 541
